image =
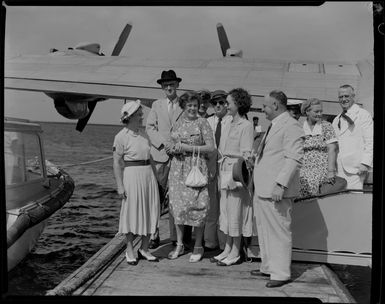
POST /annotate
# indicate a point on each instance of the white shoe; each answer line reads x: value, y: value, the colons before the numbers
x: 197, y: 254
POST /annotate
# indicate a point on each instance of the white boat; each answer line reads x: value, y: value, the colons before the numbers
x: 35, y: 188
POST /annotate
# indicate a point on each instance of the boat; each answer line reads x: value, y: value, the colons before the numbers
x: 35, y: 187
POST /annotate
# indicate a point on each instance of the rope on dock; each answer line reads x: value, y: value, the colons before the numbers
x: 87, y: 162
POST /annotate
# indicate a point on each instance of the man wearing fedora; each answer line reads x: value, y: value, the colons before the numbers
x: 213, y: 237
x: 163, y: 115
x: 276, y: 184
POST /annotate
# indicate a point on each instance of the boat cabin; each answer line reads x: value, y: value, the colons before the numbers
x: 24, y: 162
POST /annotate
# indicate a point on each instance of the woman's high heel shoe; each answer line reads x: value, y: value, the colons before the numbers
x: 218, y: 258
x: 130, y: 261
x: 149, y: 256
x: 228, y: 262
x: 179, y: 250
x: 197, y: 255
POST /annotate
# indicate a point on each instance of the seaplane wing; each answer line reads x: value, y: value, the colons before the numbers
x: 79, y: 79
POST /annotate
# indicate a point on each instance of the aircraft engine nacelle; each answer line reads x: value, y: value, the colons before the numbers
x: 71, y: 109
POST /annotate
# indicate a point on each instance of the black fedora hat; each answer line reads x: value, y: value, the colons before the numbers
x: 241, y: 173
x: 168, y: 76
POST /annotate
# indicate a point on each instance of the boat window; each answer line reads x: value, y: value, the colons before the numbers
x: 22, y: 157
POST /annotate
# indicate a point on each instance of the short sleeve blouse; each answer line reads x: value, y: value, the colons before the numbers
x: 132, y: 146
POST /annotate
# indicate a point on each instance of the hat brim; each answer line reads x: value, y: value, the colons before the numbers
x: 160, y: 81
x: 240, y: 172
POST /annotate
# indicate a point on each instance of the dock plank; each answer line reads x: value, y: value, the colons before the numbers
x: 181, y: 278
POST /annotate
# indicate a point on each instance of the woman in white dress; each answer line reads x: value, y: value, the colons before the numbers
x: 136, y: 182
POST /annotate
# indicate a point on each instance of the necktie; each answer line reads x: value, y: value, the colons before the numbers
x: 218, y: 131
x: 170, y: 108
x: 347, y: 118
x: 262, y: 144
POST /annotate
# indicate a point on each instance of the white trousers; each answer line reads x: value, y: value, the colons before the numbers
x: 355, y: 181
x: 273, y: 221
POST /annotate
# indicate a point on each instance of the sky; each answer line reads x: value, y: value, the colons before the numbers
x: 335, y: 31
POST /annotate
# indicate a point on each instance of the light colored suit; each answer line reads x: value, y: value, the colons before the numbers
x: 355, y: 145
x: 159, y: 125
x: 280, y: 163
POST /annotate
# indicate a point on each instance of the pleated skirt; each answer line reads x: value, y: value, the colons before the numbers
x: 140, y: 212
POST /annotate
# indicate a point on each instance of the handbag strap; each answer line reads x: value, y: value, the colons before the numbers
x: 197, y: 159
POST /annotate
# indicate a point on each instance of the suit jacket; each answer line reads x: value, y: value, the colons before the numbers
x: 355, y: 142
x: 158, y: 127
x: 281, y: 159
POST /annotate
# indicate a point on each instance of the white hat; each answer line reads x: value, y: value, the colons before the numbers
x: 294, y: 102
x: 129, y: 108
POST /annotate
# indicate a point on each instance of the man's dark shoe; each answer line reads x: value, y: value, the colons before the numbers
x: 154, y: 243
x: 257, y: 272
x: 276, y: 283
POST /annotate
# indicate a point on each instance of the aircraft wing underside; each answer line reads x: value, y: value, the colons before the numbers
x: 131, y: 78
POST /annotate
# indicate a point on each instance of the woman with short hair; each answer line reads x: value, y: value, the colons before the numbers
x: 235, y: 218
x: 189, y: 205
x: 320, y: 149
x: 136, y: 182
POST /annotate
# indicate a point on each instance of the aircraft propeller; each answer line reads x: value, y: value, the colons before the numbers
x: 223, y: 41
x: 116, y: 51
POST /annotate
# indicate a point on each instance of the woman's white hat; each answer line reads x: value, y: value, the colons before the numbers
x: 129, y: 108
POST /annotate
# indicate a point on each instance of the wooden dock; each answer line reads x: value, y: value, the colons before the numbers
x: 107, y: 273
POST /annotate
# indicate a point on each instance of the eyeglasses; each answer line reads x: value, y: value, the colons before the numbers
x: 342, y: 96
x: 220, y: 102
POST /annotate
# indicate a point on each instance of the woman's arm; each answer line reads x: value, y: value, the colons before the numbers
x: 118, y: 173
x: 332, y: 157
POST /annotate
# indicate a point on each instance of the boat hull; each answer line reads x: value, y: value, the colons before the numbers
x: 23, y: 246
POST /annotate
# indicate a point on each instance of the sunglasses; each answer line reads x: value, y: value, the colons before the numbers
x: 220, y: 102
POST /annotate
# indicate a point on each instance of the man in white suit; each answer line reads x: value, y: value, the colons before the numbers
x: 276, y: 184
x: 354, y: 130
x: 163, y: 115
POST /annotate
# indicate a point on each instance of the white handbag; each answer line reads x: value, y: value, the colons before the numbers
x: 195, y: 178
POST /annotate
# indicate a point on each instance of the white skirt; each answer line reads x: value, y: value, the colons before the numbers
x: 140, y: 212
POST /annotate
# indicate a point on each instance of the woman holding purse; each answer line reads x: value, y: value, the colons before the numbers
x: 235, y: 217
x: 191, y: 135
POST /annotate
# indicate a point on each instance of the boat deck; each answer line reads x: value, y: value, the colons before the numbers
x: 107, y: 273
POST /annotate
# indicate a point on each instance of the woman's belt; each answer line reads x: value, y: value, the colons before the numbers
x: 142, y: 162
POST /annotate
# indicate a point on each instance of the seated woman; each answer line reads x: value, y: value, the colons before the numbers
x: 235, y: 218
x: 320, y: 149
x: 136, y: 182
x: 189, y: 205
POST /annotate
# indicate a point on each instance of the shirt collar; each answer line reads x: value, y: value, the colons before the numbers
x: 278, y: 118
x: 353, y: 109
x: 173, y: 101
x: 317, y: 130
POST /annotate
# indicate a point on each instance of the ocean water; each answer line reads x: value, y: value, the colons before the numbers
x: 90, y: 219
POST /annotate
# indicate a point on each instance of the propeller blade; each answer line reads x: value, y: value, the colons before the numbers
x: 223, y: 41
x: 122, y: 40
x: 83, y: 122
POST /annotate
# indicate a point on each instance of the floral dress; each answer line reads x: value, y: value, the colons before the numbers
x: 315, y: 160
x: 189, y: 206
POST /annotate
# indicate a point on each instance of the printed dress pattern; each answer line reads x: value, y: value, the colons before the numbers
x: 189, y: 206
x: 315, y: 160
